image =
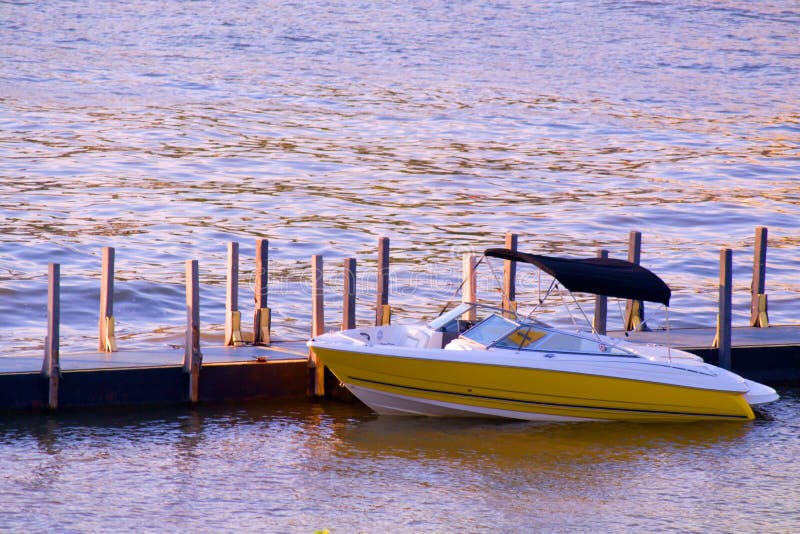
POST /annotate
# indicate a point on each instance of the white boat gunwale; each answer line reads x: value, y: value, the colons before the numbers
x: 490, y: 358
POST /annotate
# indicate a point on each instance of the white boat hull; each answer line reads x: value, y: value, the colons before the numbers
x: 384, y: 403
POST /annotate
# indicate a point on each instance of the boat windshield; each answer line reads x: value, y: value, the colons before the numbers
x: 490, y: 330
x: 526, y: 336
x: 532, y: 337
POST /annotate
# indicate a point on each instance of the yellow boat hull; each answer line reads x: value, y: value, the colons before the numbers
x: 394, y: 384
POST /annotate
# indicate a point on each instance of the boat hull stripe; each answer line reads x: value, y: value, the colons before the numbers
x: 550, y: 404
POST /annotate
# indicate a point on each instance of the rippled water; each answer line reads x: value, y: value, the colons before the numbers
x: 166, y: 129
x: 297, y: 468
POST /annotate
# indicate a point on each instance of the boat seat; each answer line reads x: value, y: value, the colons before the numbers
x: 416, y: 338
x: 447, y: 337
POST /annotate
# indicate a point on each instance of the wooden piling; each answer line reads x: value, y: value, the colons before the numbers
x: 192, y: 359
x: 382, y: 308
x: 601, y: 304
x: 634, y: 309
x: 107, y: 341
x: 262, y: 317
x: 317, y: 323
x: 233, y: 318
x: 758, y: 299
x: 469, y: 288
x: 51, y: 367
x: 349, y: 295
x: 510, y: 276
x: 724, y: 318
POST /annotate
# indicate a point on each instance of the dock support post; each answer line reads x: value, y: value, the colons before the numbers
x: 758, y: 302
x: 233, y: 318
x: 634, y: 309
x: 601, y: 304
x: 317, y: 324
x: 107, y: 342
x: 193, y: 358
x: 723, y: 339
x: 510, y: 277
x: 262, y: 317
x: 349, y: 295
x: 51, y: 366
x: 469, y: 289
x: 383, y: 311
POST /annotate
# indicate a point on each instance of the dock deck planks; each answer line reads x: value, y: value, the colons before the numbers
x: 166, y: 357
x: 742, y: 336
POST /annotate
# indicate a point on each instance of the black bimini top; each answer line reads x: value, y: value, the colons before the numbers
x: 599, y: 276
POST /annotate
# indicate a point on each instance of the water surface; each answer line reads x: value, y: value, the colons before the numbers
x: 166, y: 129
x: 300, y: 467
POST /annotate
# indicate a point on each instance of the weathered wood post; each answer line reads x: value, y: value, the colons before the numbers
x: 469, y: 291
x: 233, y: 317
x: 383, y: 311
x: 317, y: 324
x: 262, y: 316
x: 193, y: 358
x: 758, y: 301
x: 510, y: 276
x: 601, y: 304
x: 723, y: 338
x: 349, y: 295
x: 51, y: 366
x: 634, y: 309
x: 107, y: 342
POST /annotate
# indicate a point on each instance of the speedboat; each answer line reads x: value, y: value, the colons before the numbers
x: 481, y: 361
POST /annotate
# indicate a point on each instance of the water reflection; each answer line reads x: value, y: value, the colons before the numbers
x: 547, y: 461
x: 540, y: 443
x: 302, y: 466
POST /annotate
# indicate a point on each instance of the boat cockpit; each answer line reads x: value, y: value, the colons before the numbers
x: 472, y: 326
x: 463, y: 330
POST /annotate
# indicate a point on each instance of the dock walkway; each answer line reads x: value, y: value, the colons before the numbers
x: 157, y: 377
x: 744, y: 339
x: 770, y: 354
x: 703, y: 338
x: 166, y: 357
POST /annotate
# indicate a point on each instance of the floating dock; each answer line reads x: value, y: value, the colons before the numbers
x: 250, y: 365
x: 282, y: 370
x: 157, y: 377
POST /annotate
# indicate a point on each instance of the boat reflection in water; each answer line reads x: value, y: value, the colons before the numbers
x: 480, y: 361
x: 544, y: 447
